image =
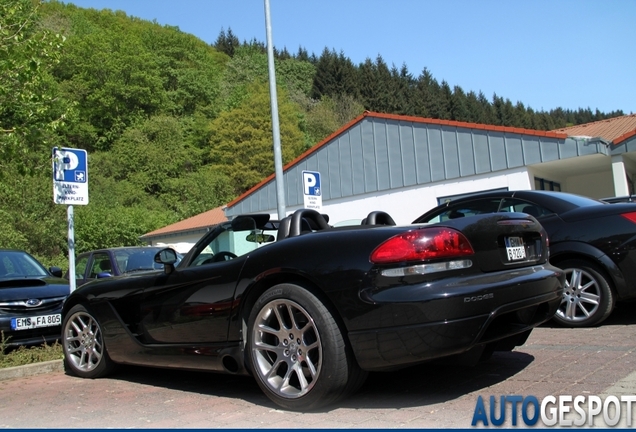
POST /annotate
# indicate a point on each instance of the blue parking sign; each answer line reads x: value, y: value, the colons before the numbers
x: 70, y: 176
x: 311, y: 183
x: 69, y: 165
x: 311, y: 190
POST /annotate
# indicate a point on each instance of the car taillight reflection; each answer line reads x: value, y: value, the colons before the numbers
x: 631, y: 216
x: 422, y: 244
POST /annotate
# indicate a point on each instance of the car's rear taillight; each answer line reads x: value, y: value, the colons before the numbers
x: 422, y: 244
x: 631, y: 216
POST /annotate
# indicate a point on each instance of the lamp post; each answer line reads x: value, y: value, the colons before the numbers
x: 278, y: 160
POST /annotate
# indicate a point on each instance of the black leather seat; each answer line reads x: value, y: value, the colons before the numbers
x: 378, y: 218
x: 283, y: 228
x: 531, y: 210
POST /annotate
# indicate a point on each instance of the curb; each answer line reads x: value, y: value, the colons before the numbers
x: 31, y: 369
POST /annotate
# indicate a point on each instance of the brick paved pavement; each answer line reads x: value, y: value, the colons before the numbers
x: 554, y: 361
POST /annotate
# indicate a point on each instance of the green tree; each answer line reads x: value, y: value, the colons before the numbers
x: 116, y: 82
x: 248, y: 65
x: 31, y: 220
x: 328, y: 115
x: 474, y: 110
x: 459, y: 105
x: 335, y: 75
x: 104, y: 225
x: 444, y: 98
x: 504, y: 111
x: 227, y: 42
x: 426, y: 101
x: 190, y: 70
x: 197, y: 192
x: 31, y: 110
x: 400, y: 91
x: 149, y: 155
x: 295, y: 75
x: 488, y: 112
x: 242, y: 143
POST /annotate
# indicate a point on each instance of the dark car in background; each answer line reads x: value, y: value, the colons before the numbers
x: 310, y: 311
x: 592, y: 241
x: 620, y: 199
x: 115, y: 261
x: 31, y: 299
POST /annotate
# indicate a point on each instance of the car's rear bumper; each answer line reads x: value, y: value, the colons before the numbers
x: 440, y: 324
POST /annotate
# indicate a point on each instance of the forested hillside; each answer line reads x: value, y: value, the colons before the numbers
x: 174, y: 126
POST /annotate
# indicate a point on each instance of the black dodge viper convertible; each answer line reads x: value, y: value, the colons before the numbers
x: 308, y: 309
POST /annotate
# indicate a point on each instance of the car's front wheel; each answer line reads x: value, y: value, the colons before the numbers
x: 587, y: 296
x: 83, y: 344
x: 297, y: 352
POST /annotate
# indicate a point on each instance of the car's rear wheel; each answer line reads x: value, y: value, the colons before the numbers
x: 84, y: 350
x: 587, y: 296
x: 297, y: 352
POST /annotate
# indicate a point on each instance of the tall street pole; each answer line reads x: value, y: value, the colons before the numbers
x: 278, y: 159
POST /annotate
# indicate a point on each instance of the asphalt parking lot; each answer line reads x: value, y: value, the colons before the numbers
x: 554, y: 361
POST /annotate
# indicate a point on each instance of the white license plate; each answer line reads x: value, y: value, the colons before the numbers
x: 515, y: 248
x: 36, y: 322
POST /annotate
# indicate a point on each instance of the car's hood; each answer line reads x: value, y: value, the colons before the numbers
x: 33, y: 287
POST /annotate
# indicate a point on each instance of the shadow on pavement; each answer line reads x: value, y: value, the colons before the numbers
x: 205, y: 383
x: 415, y: 386
x: 429, y: 384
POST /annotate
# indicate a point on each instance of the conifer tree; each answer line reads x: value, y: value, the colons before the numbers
x: 227, y: 42
x: 459, y: 105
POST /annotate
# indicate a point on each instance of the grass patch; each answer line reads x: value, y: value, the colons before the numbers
x: 23, y: 356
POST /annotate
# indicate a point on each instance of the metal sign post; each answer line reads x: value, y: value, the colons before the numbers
x: 70, y: 186
x: 71, y: 247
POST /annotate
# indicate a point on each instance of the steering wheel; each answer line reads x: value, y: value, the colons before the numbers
x: 221, y: 256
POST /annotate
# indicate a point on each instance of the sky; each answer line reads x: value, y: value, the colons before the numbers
x: 544, y: 53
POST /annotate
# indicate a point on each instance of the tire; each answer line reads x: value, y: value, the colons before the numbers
x: 296, y: 350
x: 85, y: 354
x: 588, y: 298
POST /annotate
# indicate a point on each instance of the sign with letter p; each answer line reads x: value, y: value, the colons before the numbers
x: 311, y: 183
x: 70, y: 176
x: 311, y: 190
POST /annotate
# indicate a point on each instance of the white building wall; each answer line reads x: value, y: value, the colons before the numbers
x: 180, y: 243
x: 407, y: 204
x: 593, y: 185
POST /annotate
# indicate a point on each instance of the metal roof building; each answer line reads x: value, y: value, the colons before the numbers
x: 406, y: 165
x: 185, y: 233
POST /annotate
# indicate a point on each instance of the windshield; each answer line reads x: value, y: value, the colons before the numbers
x: 229, y: 241
x: 139, y: 259
x: 20, y: 264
